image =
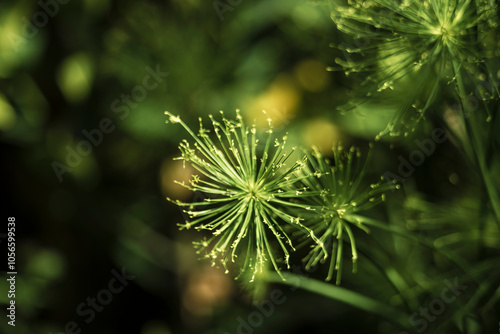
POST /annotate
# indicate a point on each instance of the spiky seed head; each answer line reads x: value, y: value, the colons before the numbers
x: 246, y: 187
x: 339, y: 197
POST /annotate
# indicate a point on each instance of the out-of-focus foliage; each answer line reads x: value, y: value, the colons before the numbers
x: 87, y: 162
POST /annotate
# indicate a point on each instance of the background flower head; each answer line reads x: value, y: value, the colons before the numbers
x: 340, y: 196
x: 421, y: 41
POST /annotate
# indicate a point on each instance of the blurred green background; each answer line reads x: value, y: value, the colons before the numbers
x: 84, y: 67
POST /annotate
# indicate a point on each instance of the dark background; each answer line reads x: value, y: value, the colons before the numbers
x: 62, y: 76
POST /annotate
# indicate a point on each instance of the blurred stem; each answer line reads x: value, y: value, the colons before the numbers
x: 418, y: 238
x: 474, y: 135
x: 343, y: 295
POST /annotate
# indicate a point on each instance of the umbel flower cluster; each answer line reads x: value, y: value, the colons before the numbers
x: 258, y: 201
x: 427, y: 42
x: 337, y: 202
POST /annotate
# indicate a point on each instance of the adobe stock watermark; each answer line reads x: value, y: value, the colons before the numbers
x: 263, y: 310
x: 281, y: 116
x: 121, y: 107
x: 486, y: 88
x: 197, y: 197
x: 420, y: 320
x: 222, y: 6
x: 416, y: 158
x: 87, y: 309
x: 266, y: 308
x: 363, y: 40
x: 39, y: 19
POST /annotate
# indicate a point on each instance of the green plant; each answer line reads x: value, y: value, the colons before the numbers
x: 337, y: 201
x: 251, y: 190
x: 251, y: 194
x: 430, y: 43
x: 261, y: 205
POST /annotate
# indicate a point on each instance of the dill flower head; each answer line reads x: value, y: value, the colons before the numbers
x: 247, y: 187
x: 338, y: 200
x: 420, y: 40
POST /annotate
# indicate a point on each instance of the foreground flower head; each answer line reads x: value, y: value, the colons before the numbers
x: 340, y: 197
x: 246, y: 187
x: 420, y: 40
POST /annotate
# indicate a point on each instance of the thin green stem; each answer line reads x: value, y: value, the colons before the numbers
x: 417, y: 238
x: 343, y: 295
x: 473, y: 133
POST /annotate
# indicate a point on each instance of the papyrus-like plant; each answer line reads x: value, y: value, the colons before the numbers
x: 261, y: 203
x: 247, y: 187
x: 429, y: 42
x: 253, y: 199
x: 339, y: 197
